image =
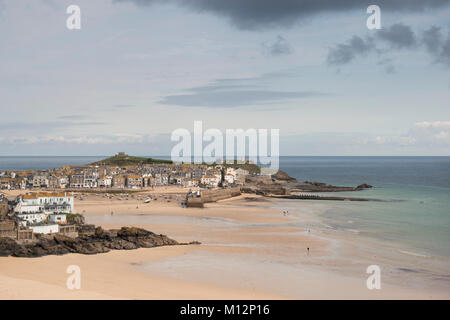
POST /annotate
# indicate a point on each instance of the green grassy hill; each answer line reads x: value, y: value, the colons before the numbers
x: 126, y: 160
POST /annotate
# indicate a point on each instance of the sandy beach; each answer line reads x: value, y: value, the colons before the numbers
x: 249, y: 250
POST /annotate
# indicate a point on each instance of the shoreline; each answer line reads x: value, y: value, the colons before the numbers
x: 249, y: 251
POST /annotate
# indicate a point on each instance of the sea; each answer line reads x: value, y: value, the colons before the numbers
x: 413, y: 214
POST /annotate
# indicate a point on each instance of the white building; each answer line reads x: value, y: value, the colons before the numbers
x: 59, y: 218
x: 90, y: 181
x: 193, y: 182
x: 29, y: 218
x: 45, y: 202
x: 40, y: 181
x: 105, y: 182
x: 229, y: 178
x: 45, y: 228
x: 210, y: 180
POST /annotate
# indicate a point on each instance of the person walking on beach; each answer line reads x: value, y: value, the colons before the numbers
x: 307, y: 251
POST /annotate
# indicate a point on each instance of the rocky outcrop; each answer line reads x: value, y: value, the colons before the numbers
x: 100, y: 241
x: 75, y: 218
x: 266, y: 190
x: 283, y: 176
x: 309, y: 186
x: 316, y: 197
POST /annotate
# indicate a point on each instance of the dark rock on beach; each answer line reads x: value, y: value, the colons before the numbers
x: 283, y: 176
x: 309, y: 186
x: 91, y: 241
x: 364, y: 186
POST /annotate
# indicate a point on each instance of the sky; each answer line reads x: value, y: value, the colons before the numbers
x: 139, y: 69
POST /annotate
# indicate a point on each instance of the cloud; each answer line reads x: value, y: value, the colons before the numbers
x: 437, y: 45
x: 45, y: 126
x: 424, y: 138
x: 432, y: 38
x: 122, y: 106
x: 432, y: 132
x: 389, y: 68
x: 346, y: 52
x: 218, y: 95
x: 395, y: 140
x: 98, y: 139
x: 278, y: 47
x: 426, y: 133
x: 396, y: 37
x: 158, y: 144
x: 73, y: 117
x: 267, y: 14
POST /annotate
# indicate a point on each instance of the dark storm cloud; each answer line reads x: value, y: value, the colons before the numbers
x: 278, y: 47
x: 437, y: 45
x: 229, y: 96
x: 260, y: 14
x: 432, y: 38
x: 397, y: 37
x: 444, y: 55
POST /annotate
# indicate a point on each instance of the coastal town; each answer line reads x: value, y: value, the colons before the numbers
x: 45, y: 199
x: 37, y: 203
x: 128, y: 176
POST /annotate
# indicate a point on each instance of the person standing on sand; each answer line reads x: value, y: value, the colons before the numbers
x: 307, y: 249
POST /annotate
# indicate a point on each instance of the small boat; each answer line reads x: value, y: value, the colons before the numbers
x: 147, y: 200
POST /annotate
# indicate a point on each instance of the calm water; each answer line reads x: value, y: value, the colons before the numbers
x: 43, y: 163
x: 418, y: 219
x: 419, y: 222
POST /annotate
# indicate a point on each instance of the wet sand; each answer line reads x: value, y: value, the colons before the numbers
x: 250, y: 250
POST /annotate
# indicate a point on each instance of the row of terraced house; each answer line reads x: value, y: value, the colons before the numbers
x: 76, y: 177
